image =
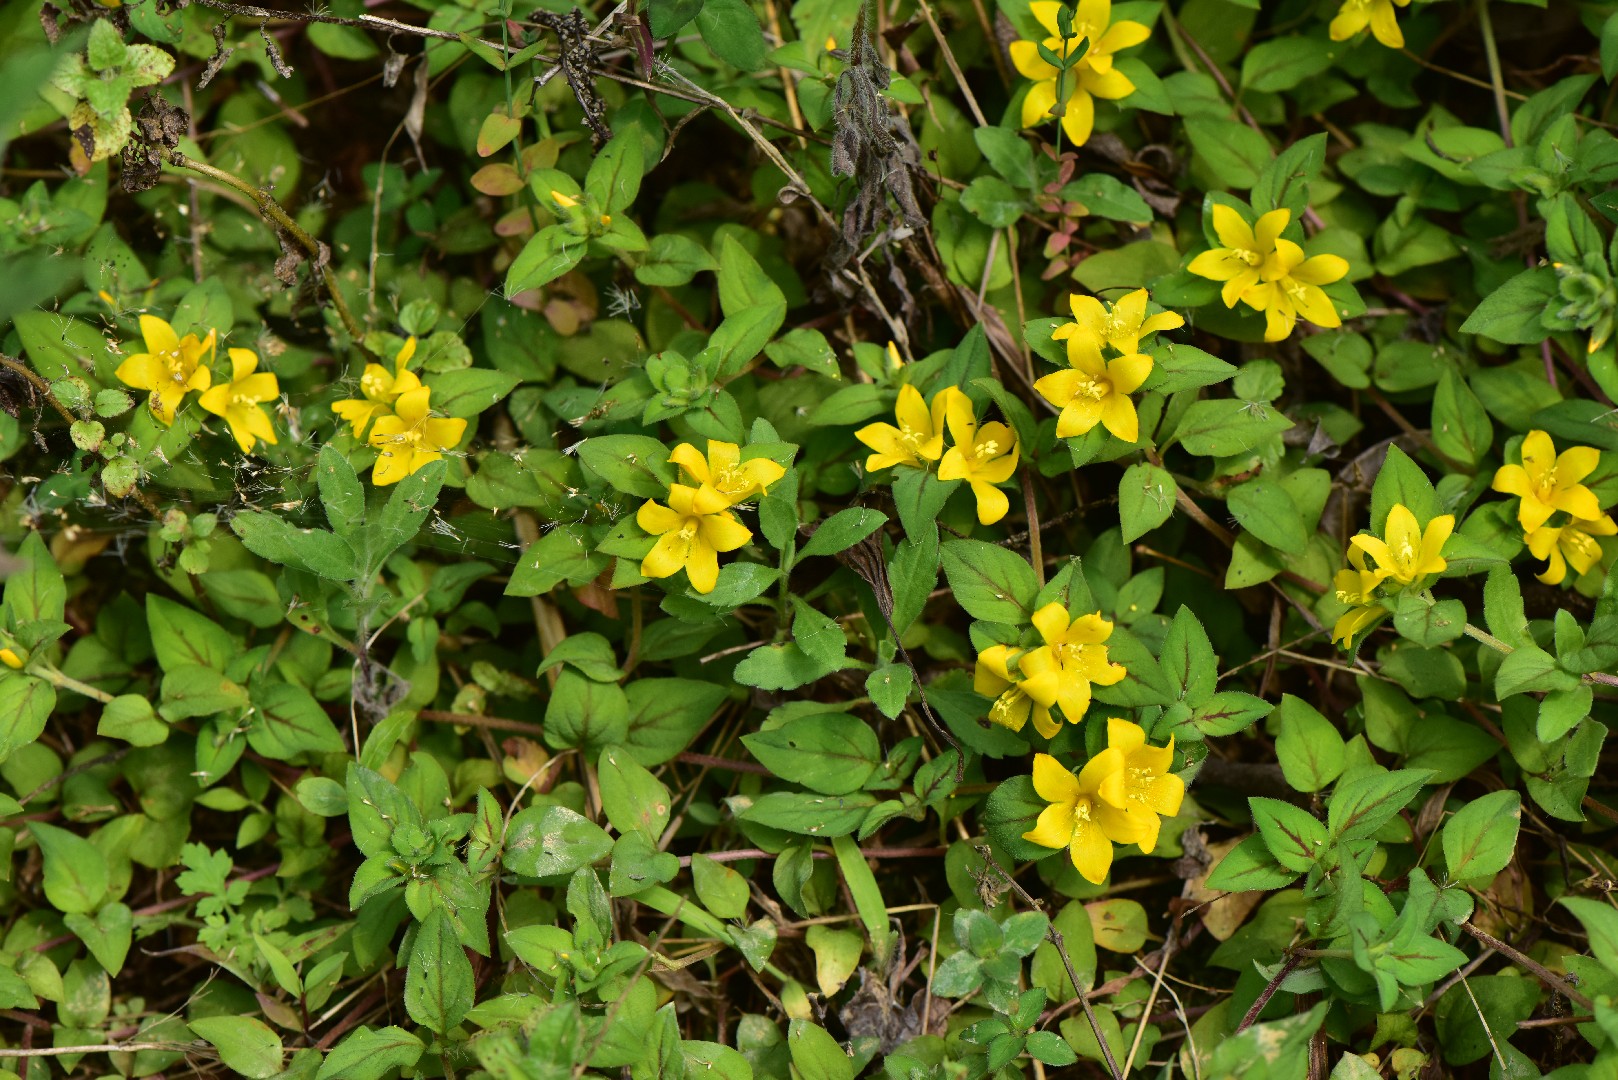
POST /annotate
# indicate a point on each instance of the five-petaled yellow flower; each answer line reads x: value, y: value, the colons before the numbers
x: 1121, y: 324
x: 1356, y: 586
x: 1078, y: 818
x: 239, y: 402
x: 1093, y: 76
x: 1240, y: 263
x: 983, y: 456
x: 1292, y: 287
x: 1061, y: 671
x: 1144, y: 788
x: 1547, y: 482
x: 692, y: 530
x: 1093, y: 390
x: 1408, y: 553
x: 918, y: 439
x: 1573, y: 544
x: 992, y: 678
x: 409, y: 438
x: 1356, y: 15
x: 381, y: 389
x: 724, y: 471
x: 170, y: 367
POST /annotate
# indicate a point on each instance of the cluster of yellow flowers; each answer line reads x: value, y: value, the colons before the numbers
x: 1548, y: 484
x: 1405, y: 556
x: 697, y: 524
x: 1119, y: 797
x: 1091, y: 76
x: 1119, y: 794
x: 172, y: 367
x: 1057, y: 673
x: 1269, y: 273
x: 984, y: 455
x: 1094, y: 390
x: 397, y: 407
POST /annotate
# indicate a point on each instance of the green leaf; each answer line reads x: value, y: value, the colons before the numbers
x: 75, y: 877
x: 1429, y: 623
x: 1283, y: 63
x: 1311, y: 751
x: 1401, y: 482
x: 1249, y: 867
x: 747, y: 294
x: 341, y: 495
x: 1234, y: 153
x: 1185, y: 367
x: 315, y: 550
x: 548, y: 841
x: 815, y: 1054
x: 615, y: 175
x: 182, y: 636
x: 1229, y: 712
x: 862, y: 886
x: 585, y: 714
x: 633, y: 799
x: 247, y: 1046
x: 1265, y: 509
x: 666, y: 714
x: 548, y: 254
x: 990, y: 582
x: 673, y: 259
x: 25, y: 706
x: 731, y: 30
x: 842, y: 531
x: 1481, y: 838
x: 634, y: 464
x: 128, y: 717
x: 1461, y: 426
x: 1146, y: 496
x: 589, y: 653
x: 466, y: 393
x: 1226, y: 426
x: 1511, y: 313
x: 368, y: 1055
x: 107, y: 935
x: 666, y: 17
x: 289, y: 722
x: 722, y: 890
x: 832, y: 753
x: 1295, y: 837
x: 994, y: 202
x: 1600, y: 921
x: 439, y: 987
x: 810, y: 815
x: 1359, y: 807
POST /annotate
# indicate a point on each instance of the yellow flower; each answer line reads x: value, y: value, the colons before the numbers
x: 692, y: 530
x: 1092, y: 77
x: 1547, y: 482
x: 1408, y: 553
x: 409, y: 438
x: 1241, y: 262
x: 1356, y: 586
x: 895, y: 361
x: 1573, y: 543
x: 564, y: 200
x: 239, y: 400
x: 982, y: 456
x: 1078, y: 818
x: 1356, y: 15
x: 1121, y: 324
x: 11, y: 659
x: 1061, y: 671
x: 724, y: 471
x: 1144, y: 788
x: 170, y: 366
x: 1093, y: 390
x: 1291, y: 287
x: 381, y: 389
x: 993, y: 679
x: 918, y: 439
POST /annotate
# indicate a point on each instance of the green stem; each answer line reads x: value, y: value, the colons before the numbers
x: 1496, y: 80
x: 1488, y: 639
x: 67, y: 682
x: 319, y: 255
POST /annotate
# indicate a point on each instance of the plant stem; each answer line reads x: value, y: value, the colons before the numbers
x: 67, y: 682
x: 319, y: 255
x: 1529, y: 964
x: 1497, y: 81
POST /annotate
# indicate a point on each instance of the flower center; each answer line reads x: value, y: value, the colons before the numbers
x: 1081, y: 810
x: 1139, y: 781
x: 688, y: 531
x: 1006, y: 706
x: 373, y: 386
x: 910, y: 439
x: 1068, y: 653
x: 1406, y: 555
x: 238, y: 400
x: 986, y: 449
x: 1115, y: 326
x: 176, y: 365
x: 1094, y: 389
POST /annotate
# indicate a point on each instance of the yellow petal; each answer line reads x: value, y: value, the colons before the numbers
x: 1053, y: 781
x: 160, y: 336
x: 1091, y: 853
